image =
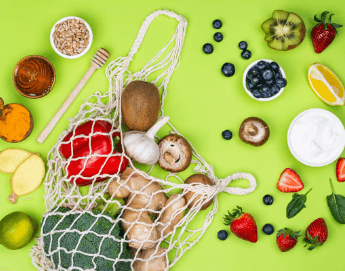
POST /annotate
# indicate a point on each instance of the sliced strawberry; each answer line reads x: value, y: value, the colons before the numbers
x: 289, y: 181
x: 341, y: 170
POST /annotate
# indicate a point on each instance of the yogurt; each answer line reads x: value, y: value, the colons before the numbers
x: 316, y: 137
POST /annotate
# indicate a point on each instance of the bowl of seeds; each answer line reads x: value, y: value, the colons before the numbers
x: 71, y: 37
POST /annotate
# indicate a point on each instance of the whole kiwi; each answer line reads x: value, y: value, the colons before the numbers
x: 140, y: 104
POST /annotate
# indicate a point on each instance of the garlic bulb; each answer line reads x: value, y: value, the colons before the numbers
x: 142, y: 146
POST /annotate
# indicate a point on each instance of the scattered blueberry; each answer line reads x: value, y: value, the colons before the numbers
x: 222, y: 235
x: 274, y: 66
x: 280, y: 82
x: 228, y: 69
x: 264, y: 88
x: 257, y: 94
x: 256, y: 79
x: 261, y: 65
x: 274, y: 89
x: 268, y: 200
x: 250, y: 85
x: 270, y: 82
x: 252, y: 71
x: 217, y: 24
x: 246, y: 54
x: 218, y: 36
x: 267, y: 74
x: 208, y: 48
x: 227, y: 134
x: 268, y: 229
x: 243, y: 45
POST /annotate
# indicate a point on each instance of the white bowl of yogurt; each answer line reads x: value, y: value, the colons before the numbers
x: 316, y: 137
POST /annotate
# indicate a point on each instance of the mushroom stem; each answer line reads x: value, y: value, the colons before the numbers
x: 155, y: 128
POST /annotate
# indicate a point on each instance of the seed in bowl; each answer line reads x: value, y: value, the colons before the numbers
x: 71, y: 37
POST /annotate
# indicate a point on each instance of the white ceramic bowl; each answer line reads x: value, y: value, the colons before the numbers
x: 83, y: 52
x: 338, y: 125
x: 245, y: 83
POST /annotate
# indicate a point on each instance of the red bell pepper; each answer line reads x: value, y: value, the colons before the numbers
x: 85, y: 163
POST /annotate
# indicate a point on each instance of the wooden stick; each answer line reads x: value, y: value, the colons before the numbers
x: 97, y: 62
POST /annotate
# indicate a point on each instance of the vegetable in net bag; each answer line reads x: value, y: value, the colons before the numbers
x: 125, y: 219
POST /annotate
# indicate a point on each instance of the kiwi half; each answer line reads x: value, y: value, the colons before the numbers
x: 284, y: 31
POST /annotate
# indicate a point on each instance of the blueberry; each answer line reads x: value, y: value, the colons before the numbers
x: 228, y: 69
x: 270, y: 82
x: 246, y: 54
x: 218, y: 36
x: 208, y: 48
x: 250, y: 85
x: 261, y: 65
x: 217, y: 24
x: 264, y: 88
x: 267, y: 74
x: 257, y: 94
x: 280, y: 82
x: 266, y: 95
x: 256, y: 79
x: 227, y: 134
x: 268, y: 199
x: 243, y: 45
x: 268, y: 229
x: 274, y: 66
x: 274, y: 89
x: 278, y: 75
x: 252, y: 71
x: 222, y: 235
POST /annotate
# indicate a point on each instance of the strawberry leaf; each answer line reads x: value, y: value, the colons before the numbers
x: 323, y: 15
x: 337, y: 25
x: 330, y: 18
x: 316, y: 19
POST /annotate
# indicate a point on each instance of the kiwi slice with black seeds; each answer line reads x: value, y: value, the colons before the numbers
x: 284, y: 31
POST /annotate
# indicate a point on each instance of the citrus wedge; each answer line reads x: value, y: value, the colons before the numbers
x: 326, y: 84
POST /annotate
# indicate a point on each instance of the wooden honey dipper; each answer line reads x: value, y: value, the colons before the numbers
x: 97, y: 62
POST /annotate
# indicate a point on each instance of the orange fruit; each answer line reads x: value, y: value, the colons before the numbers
x: 326, y: 85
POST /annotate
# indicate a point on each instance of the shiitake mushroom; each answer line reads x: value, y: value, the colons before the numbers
x: 175, y: 153
x: 254, y: 131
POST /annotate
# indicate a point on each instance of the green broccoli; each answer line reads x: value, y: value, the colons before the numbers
x: 89, y: 243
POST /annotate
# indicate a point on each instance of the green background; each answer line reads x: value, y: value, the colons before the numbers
x: 201, y: 103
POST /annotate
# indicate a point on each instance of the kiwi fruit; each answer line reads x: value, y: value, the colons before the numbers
x: 284, y: 30
x: 140, y: 105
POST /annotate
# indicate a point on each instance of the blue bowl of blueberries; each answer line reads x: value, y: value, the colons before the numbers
x: 264, y: 80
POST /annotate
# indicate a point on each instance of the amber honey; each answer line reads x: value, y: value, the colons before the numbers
x: 34, y: 76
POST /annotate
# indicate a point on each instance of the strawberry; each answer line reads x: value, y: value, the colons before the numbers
x: 289, y: 181
x: 341, y: 170
x: 242, y: 225
x: 286, y: 239
x: 316, y: 233
x: 323, y: 34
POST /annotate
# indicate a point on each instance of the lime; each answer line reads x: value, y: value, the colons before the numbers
x: 16, y: 230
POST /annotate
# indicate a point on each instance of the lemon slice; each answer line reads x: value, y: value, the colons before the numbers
x: 326, y: 84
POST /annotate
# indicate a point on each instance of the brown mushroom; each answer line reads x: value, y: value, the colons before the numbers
x: 200, y: 179
x: 149, y: 263
x: 254, y: 131
x: 175, y: 153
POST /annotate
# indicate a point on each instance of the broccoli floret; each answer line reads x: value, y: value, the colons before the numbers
x: 90, y: 243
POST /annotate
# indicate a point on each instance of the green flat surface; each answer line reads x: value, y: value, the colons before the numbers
x: 201, y: 103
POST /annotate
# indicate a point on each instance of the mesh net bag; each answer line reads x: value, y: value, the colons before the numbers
x: 125, y: 219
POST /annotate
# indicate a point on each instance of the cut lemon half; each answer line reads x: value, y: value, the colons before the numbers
x: 326, y: 84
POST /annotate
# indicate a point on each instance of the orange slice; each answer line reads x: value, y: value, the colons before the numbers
x: 326, y: 84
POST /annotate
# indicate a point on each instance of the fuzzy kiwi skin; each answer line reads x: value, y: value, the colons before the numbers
x: 140, y: 104
x: 302, y: 32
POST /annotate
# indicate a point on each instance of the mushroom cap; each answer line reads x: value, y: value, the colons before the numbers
x: 175, y: 153
x: 202, y: 179
x: 254, y: 131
